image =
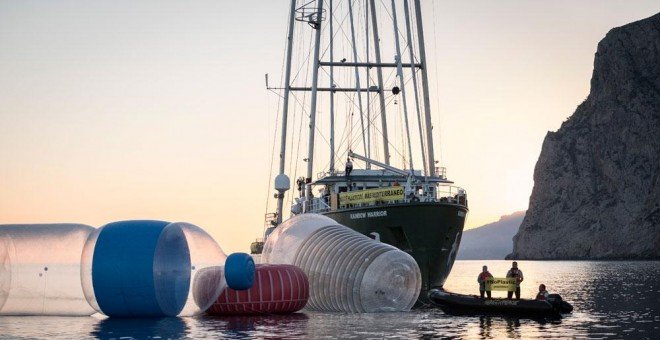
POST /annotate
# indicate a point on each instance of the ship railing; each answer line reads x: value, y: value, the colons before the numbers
x: 451, y: 194
x: 324, y: 174
x: 441, y: 172
x: 317, y: 205
x: 310, y: 14
x: 270, y: 220
x: 444, y: 194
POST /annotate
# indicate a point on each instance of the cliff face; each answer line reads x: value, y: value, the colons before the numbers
x: 597, y: 181
x: 491, y: 241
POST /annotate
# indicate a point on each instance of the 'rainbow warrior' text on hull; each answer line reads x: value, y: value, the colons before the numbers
x: 418, y: 211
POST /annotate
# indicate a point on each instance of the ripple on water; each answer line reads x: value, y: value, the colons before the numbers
x: 608, y: 304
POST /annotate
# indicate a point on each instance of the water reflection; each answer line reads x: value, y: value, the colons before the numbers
x: 611, y: 300
x: 260, y: 326
x: 116, y: 328
x: 485, y: 325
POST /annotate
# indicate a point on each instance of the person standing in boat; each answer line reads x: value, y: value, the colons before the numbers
x: 483, y: 276
x: 517, y: 273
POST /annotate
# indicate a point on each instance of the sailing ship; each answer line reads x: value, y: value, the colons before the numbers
x: 416, y: 210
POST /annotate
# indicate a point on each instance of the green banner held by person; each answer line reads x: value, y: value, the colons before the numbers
x: 501, y: 284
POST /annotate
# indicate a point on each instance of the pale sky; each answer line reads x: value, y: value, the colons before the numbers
x: 157, y: 109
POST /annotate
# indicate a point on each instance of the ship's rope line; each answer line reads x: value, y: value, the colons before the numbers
x: 401, y: 36
x: 437, y: 85
x: 389, y: 142
x: 290, y: 167
x: 360, y: 23
x: 354, y: 47
x: 417, y: 88
x: 415, y: 43
x: 341, y: 23
x: 388, y: 100
x: 305, y: 63
x: 403, y: 140
x: 302, y: 104
x: 306, y: 66
x: 272, y: 156
x: 277, y: 119
x: 304, y: 5
x: 343, y: 45
x: 295, y: 164
x: 363, y: 24
x: 348, y: 126
x: 355, y: 139
x: 346, y: 138
x: 351, y: 100
x: 347, y: 39
x: 299, y: 52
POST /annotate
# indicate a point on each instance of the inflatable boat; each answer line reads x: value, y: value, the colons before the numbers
x: 456, y: 304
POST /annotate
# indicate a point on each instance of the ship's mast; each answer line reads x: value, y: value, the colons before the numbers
x: 379, y: 76
x: 312, y: 110
x: 399, y: 69
x: 357, y: 79
x: 283, y: 187
x: 413, y: 70
x: 314, y: 16
x: 425, y: 86
x: 366, y: 27
x: 332, y: 93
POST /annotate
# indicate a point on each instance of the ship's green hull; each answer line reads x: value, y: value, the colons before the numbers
x: 430, y: 232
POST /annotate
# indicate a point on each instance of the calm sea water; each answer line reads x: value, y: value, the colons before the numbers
x: 611, y: 300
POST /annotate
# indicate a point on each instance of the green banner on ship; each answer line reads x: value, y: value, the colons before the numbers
x: 371, y: 195
x: 501, y: 283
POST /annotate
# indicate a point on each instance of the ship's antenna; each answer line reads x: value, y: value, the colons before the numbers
x: 282, y: 185
x: 357, y: 79
x: 413, y: 70
x: 425, y: 87
x: 399, y: 70
x: 379, y: 76
x: 315, y: 86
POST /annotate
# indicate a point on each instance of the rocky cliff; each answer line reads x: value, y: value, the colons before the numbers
x: 491, y: 241
x: 597, y: 181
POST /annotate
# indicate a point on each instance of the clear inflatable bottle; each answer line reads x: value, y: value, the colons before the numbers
x: 40, y: 269
x: 347, y: 271
x: 155, y: 269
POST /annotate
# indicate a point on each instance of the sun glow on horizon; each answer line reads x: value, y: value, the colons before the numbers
x: 157, y: 109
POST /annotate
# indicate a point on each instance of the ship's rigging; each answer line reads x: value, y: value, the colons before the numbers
x: 341, y: 51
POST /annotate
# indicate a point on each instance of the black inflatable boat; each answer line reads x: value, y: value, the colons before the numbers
x: 456, y: 304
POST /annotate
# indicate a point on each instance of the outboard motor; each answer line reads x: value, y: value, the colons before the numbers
x: 558, y: 304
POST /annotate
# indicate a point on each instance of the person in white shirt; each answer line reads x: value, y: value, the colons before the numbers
x: 518, y: 274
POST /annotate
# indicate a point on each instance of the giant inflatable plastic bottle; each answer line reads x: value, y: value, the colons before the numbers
x: 347, y: 271
x: 156, y: 268
x: 40, y: 269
